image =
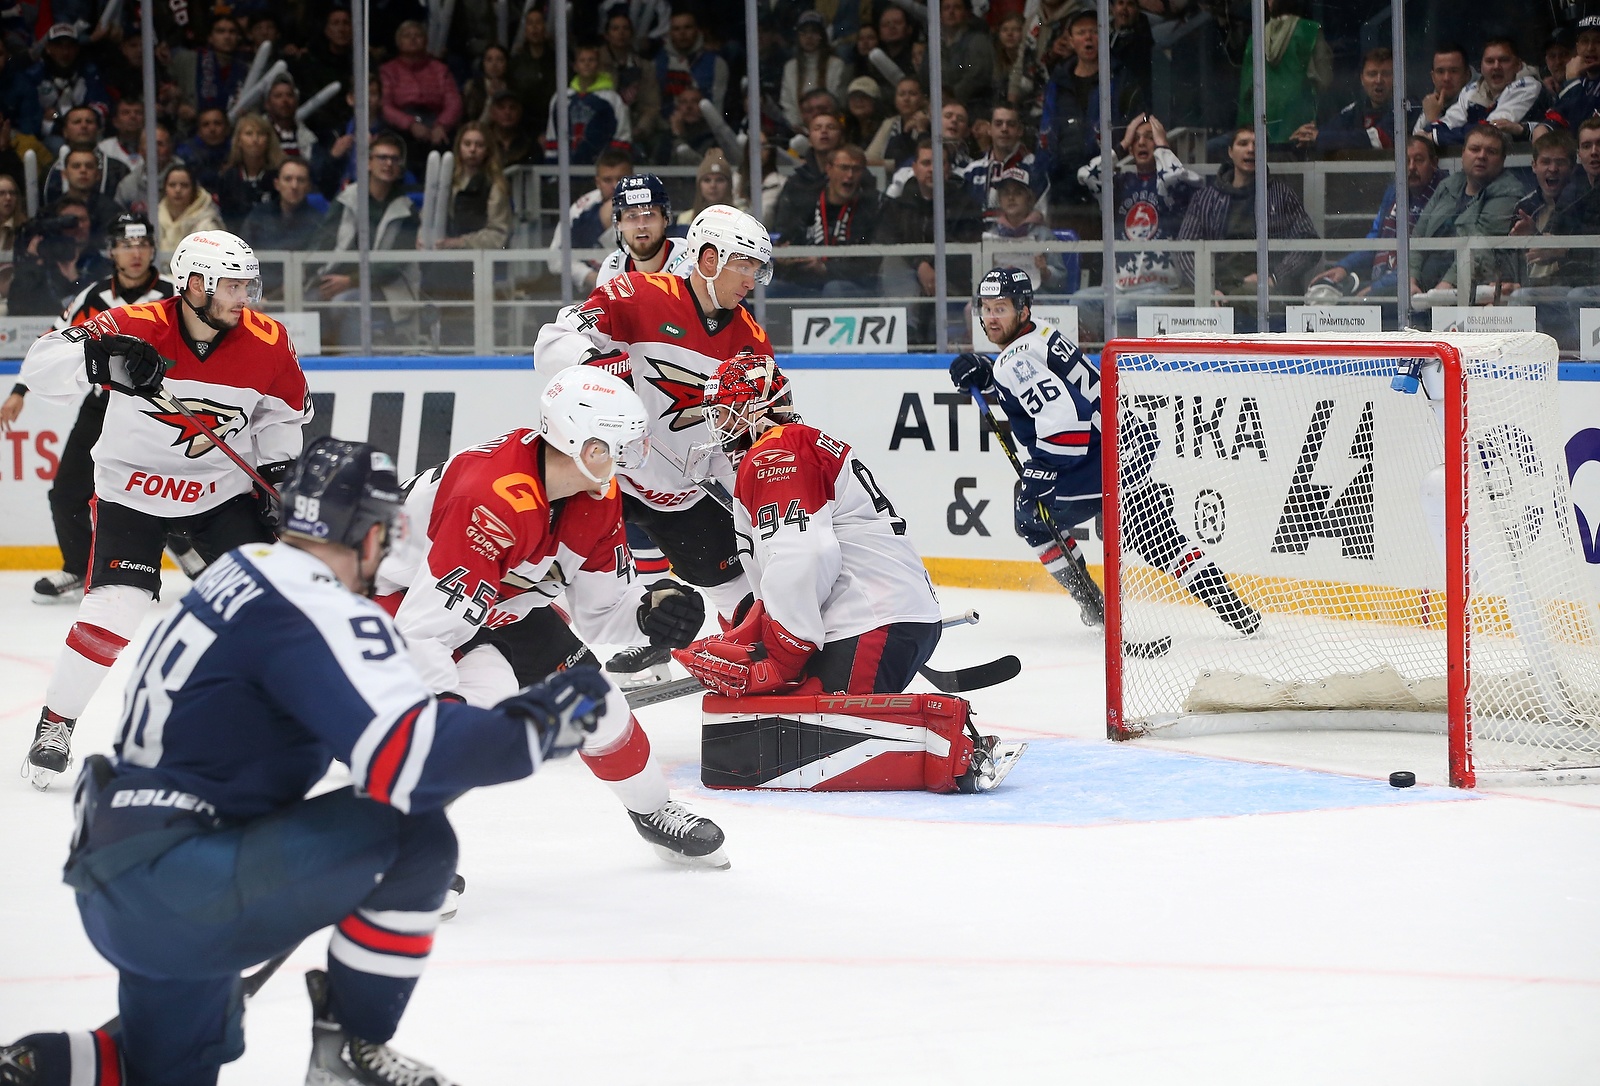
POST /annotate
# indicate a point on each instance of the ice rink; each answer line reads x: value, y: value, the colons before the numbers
x: 1235, y: 909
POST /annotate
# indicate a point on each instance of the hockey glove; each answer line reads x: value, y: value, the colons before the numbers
x: 671, y: 614
x: 734, y: 670
x: 1038, y: 482
x: 125, y: 364
x: 972, y: 369
x: 615, y: 363
x: 269, y: 507
x: 563, y: 710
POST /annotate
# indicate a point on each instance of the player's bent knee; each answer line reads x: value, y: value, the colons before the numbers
x: 836, y: 743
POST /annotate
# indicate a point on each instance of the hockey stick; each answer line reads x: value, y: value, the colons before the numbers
x: 182, y: 408
x: 250, y: 984
x: 1087, y: 594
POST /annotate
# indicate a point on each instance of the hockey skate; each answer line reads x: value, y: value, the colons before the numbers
x: 680, y: 836
x: 338, y: 1059
x: 51, y: 751
x: 185, y: 557
x: 992, y: 759
x: 58, y: 587
x: 1212, y: 588
x: 452, y: 898
x: 644, y: 665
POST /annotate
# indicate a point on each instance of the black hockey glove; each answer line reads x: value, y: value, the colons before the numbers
x: 1038, y: 482
x: 564, y: 709
x: 970, y: 369
x: 615, y: 363
x: 125, y: 364
x: 269, y: 507
x: 671, y: 614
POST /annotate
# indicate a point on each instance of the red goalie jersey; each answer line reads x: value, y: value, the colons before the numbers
x: 823, y: 547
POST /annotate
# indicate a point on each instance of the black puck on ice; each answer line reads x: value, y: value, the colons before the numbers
x: 1402, y: 778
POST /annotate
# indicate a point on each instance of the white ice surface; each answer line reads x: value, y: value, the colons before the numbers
x: 1444, y: 942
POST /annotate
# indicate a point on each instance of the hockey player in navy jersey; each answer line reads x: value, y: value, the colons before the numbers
x: 1051, y: 395
x: 196, y: 853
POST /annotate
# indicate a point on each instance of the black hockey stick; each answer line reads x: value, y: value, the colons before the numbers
x: 1083, y: 589
x: 250, y: 985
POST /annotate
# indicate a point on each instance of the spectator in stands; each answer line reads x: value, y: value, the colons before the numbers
x: 1372, y: 272
x: 13, y: 216
x: 689, y: 134
x: 713, y: 184
x: 1450, y: 73
x: 489, y: 80
x: 1579, y: 96
x: 1587, y: 177
x: 813, y: 66
x: 185, y: 208
x: 532, y: 74
x: 857, y: 55
x: 649, y: 20
x: 955, y: 129
x: 863, y: 115
x: 686, y: 61
x: 1006, y: 152
x: 897, y: 41
x: 898, y: 136
x: 247, y: 177
x: 1507, y: 95
x: 81, y: 131
x: 513, y: 146
x: 52, y: 268
x: 1479, y: 200
x: 1299, y: 71
x: 634, y: 78
x: 1019, y: 78
x: 907, y: 219
x: 395, y: 221
x: 1581, y: 215
x: 81, y: 175
x: 1224, y: 209
x: 479, y: 215
x: 328, y: 60
x: 295, y: 138
x: 845, y: 212
x: 1150, y: 201
x: 1548, y: 275
x: 62, y: 80
x: 420, y: 97
x: 207, y: 152
x: 825, y: 134
x: 968, y: 55
x: 212, y: 75
x: 1015, y: 221
x: 589, y: 219
x: 1069, y: 128
x: 131, y: 192
x: 19, y: 98
x: 595, y: 114
x: 1558, y: 54
x: 815, y: 101
x: 285, y: 223
x: 1366, y: 124
x: 1132, y: 45
x: 126, y: 142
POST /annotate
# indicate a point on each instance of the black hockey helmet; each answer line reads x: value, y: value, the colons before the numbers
x: 1010, y: 283
x: 640, y: 190
x: 338, y: 490
x: 129, y: 226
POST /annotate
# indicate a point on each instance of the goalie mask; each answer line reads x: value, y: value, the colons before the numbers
x: 747, y: 395
x: 583, y: 404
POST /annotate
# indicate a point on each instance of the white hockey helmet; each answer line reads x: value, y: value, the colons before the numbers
x: 215, y: 255
x: 732, y: 233
x: 584, y: 403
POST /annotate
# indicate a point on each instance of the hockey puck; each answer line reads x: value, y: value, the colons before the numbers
x: 1402, y: 778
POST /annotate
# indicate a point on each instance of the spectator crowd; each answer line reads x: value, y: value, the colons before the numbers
x: 255, y: 127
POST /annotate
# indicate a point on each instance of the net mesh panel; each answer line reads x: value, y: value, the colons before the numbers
x: 1318, y: 491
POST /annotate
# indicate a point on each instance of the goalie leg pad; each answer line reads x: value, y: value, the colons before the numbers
x: 836, y: 743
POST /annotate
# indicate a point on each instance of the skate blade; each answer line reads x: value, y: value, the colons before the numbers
x: 639, y: 680
x: 717, y: 861
x: 65, y: 597
x: 1003, y: 758
x: 40, y: 777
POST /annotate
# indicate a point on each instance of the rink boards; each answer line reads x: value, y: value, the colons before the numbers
x: 921, y: 439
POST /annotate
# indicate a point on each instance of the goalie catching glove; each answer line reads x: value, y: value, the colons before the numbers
x: 564, y: 710
x: 124, y: 364
x: 755, y: 657
x: 671, y: 614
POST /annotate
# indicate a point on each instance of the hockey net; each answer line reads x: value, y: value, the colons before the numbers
x: 1414, y: 561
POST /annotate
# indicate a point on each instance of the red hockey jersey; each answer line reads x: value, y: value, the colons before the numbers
x: 821, y: 543
x: 249, y: 389
x: 487, y: 546
x: 672, y: 347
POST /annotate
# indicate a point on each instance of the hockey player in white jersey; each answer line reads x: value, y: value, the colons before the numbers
x: 1051, y: 395
x: 641, y: 211
x: 155, y: 472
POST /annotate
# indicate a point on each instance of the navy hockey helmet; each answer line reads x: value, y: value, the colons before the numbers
x: 338, y: 490
x: 130, y: 227
x: 1010, y: 283
x: 640, y: 190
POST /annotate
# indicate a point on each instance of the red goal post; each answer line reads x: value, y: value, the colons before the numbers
x: 1351, y: 627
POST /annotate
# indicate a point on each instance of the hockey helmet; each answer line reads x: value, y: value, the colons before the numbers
x: 214, y: 255
x: 732, y: 233
x: 585, y: 403
x: 130, y: 227
x: 1010, y: 283
x: 340, y: 489
x: 640, y: 190
x: 747, y: 394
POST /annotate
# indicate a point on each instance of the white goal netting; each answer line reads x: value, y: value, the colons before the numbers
x: 1284, y: 516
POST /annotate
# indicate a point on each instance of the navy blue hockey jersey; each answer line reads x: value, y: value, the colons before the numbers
x: 1051, y: 394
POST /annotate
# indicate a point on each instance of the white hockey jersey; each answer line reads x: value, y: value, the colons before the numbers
x: 621, y: 261
x: 821, y: 543
x: 248, y: 389
x: 672, y: 346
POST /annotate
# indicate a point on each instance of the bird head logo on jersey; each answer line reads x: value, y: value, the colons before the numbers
x: 747, y: 395
x: 1142, y: 222
x: 225, y: 421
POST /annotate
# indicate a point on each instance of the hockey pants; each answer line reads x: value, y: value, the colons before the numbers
x: 182, y: 926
